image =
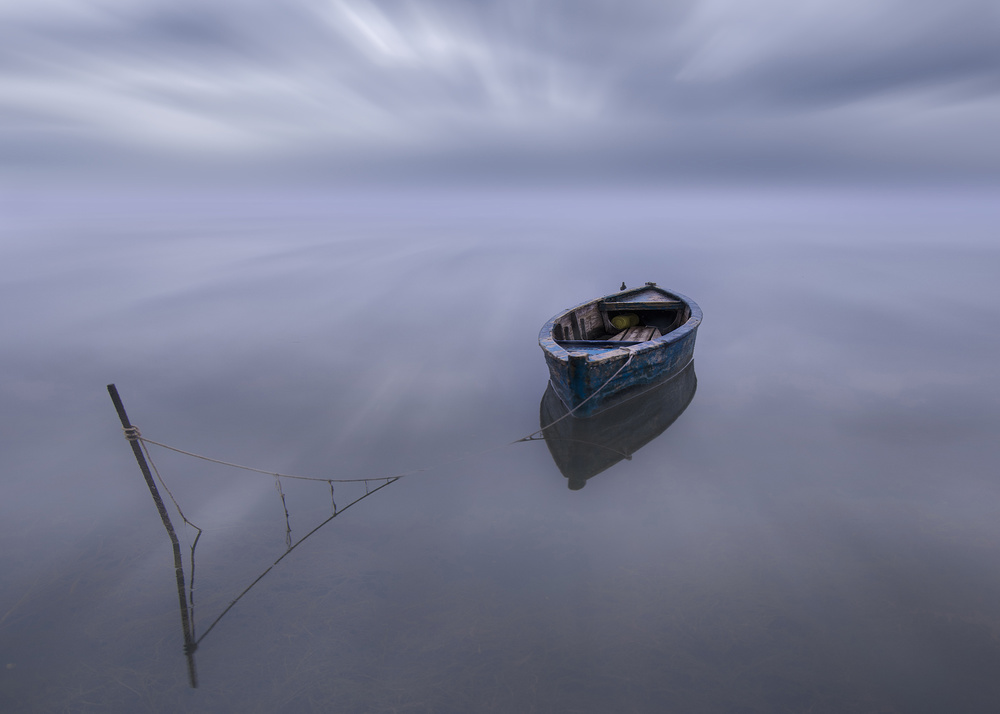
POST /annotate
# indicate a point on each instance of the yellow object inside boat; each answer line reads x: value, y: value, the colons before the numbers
x: 623, y: 322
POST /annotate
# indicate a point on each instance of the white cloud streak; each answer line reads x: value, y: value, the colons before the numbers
x: 716, y: 86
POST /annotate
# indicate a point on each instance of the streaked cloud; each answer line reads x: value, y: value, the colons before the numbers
x: 701, y: 87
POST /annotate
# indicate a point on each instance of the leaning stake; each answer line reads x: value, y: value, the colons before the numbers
x: 131, y: 434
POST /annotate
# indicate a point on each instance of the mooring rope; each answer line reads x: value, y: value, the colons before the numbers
x: 532, y: 436
x: 133, y: 434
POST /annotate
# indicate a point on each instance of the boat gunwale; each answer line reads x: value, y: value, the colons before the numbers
x: 551, y: 347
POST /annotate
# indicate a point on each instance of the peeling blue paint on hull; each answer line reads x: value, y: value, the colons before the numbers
x: 593, y: 366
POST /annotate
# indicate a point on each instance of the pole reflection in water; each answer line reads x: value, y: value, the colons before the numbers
x: 585, y: 447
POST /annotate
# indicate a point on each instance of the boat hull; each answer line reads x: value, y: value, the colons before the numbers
x: 589, y: 376
x: 585, y: 447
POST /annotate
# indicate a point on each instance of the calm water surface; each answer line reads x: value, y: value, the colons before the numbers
x: 817, y: 531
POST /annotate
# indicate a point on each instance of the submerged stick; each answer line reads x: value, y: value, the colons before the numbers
x: 132, y: 434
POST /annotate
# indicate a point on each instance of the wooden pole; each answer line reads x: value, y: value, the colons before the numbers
x: 132, y: 435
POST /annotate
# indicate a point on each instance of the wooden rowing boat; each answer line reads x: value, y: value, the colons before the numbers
x: 583, y: 448
x: 602, y: 350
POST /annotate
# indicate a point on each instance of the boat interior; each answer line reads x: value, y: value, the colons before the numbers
x: 619, y: 321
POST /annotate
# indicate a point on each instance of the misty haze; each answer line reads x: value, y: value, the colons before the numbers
x: 319, y: 239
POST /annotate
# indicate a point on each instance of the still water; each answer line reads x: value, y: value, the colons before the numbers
x: 817, y: 531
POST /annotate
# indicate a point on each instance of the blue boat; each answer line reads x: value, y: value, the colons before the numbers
x: 604, y: 350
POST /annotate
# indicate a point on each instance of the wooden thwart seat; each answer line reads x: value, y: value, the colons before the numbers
x: 616, y: 306
x: 639, y: 333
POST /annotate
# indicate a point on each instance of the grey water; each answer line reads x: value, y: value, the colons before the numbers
x: 818, y: 531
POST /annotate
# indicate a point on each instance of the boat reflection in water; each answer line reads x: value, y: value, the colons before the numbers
x: 584, y: 447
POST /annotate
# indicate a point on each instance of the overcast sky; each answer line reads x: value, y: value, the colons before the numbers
x: 516, y: 89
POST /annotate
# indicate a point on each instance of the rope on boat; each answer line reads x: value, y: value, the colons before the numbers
x: 533, y: 436
x: 539, y: 435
